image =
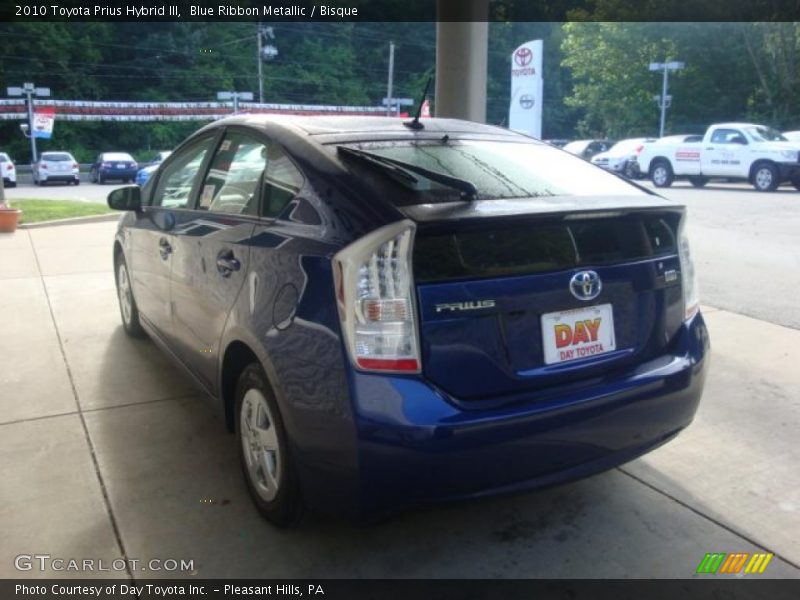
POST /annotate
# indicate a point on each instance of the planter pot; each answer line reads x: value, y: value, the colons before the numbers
x: 9, y: 217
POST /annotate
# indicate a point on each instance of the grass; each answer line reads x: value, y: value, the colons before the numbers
x: 35, y: 210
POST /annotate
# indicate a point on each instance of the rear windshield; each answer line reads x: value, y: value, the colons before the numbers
x: 118, y: 156
x: 497, y: 170
x: 3, y: 157
x: 56, y: 157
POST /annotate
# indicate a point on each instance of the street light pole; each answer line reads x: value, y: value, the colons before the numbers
x: 29, y: 91
x: 390, y: 83
x: 235, y: 96
x: 666, y: 67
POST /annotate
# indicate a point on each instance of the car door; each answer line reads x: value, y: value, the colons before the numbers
x: 153, y: 233
x: 723, y: 155
x: 212, y: 249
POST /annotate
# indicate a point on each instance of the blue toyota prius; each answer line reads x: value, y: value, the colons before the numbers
x: 389, y: 313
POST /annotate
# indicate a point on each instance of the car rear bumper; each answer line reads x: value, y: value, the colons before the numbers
x: 416, y: 446
x: 60, y: 177
x: 118, y: 173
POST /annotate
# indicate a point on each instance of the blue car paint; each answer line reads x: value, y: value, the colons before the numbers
x: 364, y: 443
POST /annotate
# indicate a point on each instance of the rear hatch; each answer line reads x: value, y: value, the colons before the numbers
x: 510, y: 304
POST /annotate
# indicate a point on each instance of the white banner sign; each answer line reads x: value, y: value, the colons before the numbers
x: 43, y: 120
x: 525, y: 111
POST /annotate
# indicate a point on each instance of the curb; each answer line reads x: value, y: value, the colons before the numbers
x: 72, y: 221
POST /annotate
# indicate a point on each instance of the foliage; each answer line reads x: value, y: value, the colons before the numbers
x: 35, y: 210
x: 596, y: 76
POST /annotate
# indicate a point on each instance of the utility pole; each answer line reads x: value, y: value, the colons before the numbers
x: 260, y: 67
x: 29, y: 91
x: 665, y: 100
x: 266, y: 52
x: 389, y: 85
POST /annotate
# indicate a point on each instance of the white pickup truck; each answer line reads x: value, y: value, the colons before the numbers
x: 742, y: 151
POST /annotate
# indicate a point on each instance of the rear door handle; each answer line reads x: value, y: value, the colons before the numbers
x: 164, y: 248
x: 227, y: 263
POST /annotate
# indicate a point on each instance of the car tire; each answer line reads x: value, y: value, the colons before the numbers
x: 661, y: 174
x: 93, y: 176
x: 796, y: 183
x: 264, y: 452
x: 698, y: 181
x: 765, y: 177
x: 628, y: 170
x: 127, y: 303
x: 100, y: 179
x: 77, y: 182
x: 13, y: 184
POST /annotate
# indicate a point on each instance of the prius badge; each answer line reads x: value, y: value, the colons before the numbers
x: 461, y: 306
x: 585, y: 285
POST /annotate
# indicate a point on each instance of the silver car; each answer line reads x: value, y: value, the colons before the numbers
x: 56, y: 166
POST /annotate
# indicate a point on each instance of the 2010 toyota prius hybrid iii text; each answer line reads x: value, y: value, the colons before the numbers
x: 389, y: 315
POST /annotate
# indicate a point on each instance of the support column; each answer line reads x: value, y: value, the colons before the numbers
x: 462, y: 43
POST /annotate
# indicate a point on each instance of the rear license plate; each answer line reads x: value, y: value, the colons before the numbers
x: 579, y: 333
x: 120, y: 166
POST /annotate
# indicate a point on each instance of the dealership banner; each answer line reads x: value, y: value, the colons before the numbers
x: 525, y: 111
x: 43, y: 119
x: 89, y: 110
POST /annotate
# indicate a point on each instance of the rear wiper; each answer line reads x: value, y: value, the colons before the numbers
x: 467, y: 189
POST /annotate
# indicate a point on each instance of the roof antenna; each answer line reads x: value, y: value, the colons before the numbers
x: 415, y: 124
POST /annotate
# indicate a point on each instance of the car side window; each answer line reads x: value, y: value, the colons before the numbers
x: 231, y: 185
x: 727, y: 136
x: 178, y: 178
x: 282, y: 181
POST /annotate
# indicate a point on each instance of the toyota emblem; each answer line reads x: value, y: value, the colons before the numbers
x: 526, y: 101
x: 585, y: 285
x: 523, y: 57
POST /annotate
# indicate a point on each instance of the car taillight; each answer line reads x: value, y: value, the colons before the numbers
x: 691, y: 298
x: 43, y: 166
x: 134, y: 165
x: 639, y: 149
x: 104, y: 165
x: 74, y: 165
x: 10, y: 167
x: 375, y: 297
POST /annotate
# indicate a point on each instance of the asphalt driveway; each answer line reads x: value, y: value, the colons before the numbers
x: 107, y: 452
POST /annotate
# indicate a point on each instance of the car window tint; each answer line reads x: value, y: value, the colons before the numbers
x: 282, y: 181
x: 231, y: 185
x: 498, y: 170
x: 178, y: 178
x: 56, y: 157
x: 725, y: 136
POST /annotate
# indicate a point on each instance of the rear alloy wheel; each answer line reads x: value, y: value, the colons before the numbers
x: 765, y: 178
x: 796, y: 183
x: 264, y: 450
x: 698, y: 181
x: 127, y: 304
x: 101, y: 179
x: 661, y: 174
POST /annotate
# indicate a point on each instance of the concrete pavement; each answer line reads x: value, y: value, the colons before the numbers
x: 108, y: 452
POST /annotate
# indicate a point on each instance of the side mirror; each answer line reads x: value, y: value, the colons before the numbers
x: 126, y: 198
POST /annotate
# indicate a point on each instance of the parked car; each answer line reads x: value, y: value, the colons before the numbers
x: 113, y: 166
x: 144, y: 173
x: 621, y: 157
x: 9, y: 170
x: 388, y: 316
x: 586, y: 149
x: 792, y: 136
x: 557, y: 143
x: 56, y: 166
x: 736, y: 151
